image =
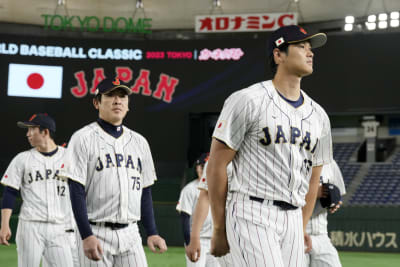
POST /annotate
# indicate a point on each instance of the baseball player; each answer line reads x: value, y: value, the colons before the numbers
x: 186, y: 205
x: 46, y: 207
x: 323, y: 253
x: 277, y: 139
x: 194, y: 249
x: 110, y: 171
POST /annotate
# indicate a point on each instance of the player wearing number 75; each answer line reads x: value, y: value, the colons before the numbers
x: 46, y: 208
x: 110, y: 171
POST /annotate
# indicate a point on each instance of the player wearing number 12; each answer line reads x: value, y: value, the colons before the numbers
x: 45, y: 213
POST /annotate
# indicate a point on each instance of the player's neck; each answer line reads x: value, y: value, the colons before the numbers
x: 47, y: 146
x: 287, y: 85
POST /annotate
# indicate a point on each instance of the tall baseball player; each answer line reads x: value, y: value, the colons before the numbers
x: 46, y: 207
x: 194, y: 249
x: 277, y: 139
x: 323, y: 253
x: 186, y: 205
x: 110, y: 171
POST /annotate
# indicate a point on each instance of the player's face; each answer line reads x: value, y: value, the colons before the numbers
x: 35, y: 136
x: 299, y: 59
x: 113, y: 106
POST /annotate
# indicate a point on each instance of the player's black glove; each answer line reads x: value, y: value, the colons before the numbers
x: 333, y: 196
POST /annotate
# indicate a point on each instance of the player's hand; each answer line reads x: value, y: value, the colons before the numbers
x: 193, y: 249
x: 219, y: 243
x: 156, y: 244
x: 5, y: 235
x: 336, y: 207
x: 307, y: 243
x: 323, y: 191
x: 92, y: 248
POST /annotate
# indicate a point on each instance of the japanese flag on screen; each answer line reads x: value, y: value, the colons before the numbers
x: 35, y: 81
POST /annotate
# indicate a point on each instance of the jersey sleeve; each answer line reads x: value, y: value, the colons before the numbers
x: 235, y: 120
x: 149, y: 172
x: 186, y: 199
x: 337, y: 174
x: 323, y: 153
x: 203, y: 180
x: 14, y: 174
x: 75, y: 164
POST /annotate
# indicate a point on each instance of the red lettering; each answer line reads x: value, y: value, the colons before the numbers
x: 253, y: 22
x: 206, y: 24
x: 98, y: 77
x: 281, y: 18
x: 156, y: 54
x: 82, y: 89
x: 268, y: 25
x: 124, y: 74
x: 238, y: 22
x: 142, y: 81
x: 167, y: 87
x: 222, y: 23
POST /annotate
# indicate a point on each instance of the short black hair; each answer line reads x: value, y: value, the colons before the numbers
x: 52, y: 134
x: 274, y: 67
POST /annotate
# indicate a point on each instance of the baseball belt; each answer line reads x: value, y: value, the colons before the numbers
x: 281, y: 204
x: 113, y: 226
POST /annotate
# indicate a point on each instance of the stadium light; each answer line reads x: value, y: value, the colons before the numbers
x: 382, y: 16
x: 394, y: 23
x: 382, y: 24
x: 349, y: 19
x: 139, y: 4
x: 394, y: 15
x: 371, y: 18
x: 370, y: 25
x: 348, y: 27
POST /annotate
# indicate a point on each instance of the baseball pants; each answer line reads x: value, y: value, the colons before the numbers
x: 37, y: 239
x: 74, y: 251
x: 122, y: 247
x: 261, y: 234
x: 323, y: 253
x: 206, y: 259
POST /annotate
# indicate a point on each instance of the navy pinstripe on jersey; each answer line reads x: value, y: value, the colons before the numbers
x: 279, y: 144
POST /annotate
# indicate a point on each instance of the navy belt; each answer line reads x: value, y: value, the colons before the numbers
x: 281, y: 204
x: 113, y: 226
x: 69, y: 231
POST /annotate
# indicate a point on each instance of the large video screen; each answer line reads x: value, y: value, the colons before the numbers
x: 170, y: 80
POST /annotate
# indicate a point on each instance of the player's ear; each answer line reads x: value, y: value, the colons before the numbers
x: 277, y: 55
x: 95, y: 103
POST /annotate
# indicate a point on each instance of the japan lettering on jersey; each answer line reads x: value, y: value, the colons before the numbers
x: 318, y: 223
x: 44, y: 193
x: 113, y: 170
x: 277, y: 145
x: 187, y: 203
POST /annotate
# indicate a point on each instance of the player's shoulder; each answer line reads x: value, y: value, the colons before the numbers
x: 254, y: 93
x: 317, y: 108
x: 190, y: 187
x: 22, y: 156
x: 135, y: 135
x: 86, y: 130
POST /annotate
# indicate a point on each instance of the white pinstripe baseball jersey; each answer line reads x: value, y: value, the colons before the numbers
x: 44, y: 193
x: 318, y: 223
x: 187, y: 203
x: 278, y: 143
x: 203, y: 181
x: 113, y: 170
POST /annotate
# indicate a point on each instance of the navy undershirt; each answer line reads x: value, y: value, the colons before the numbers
x: 10, y: 194
x: 113, y: 130
x: 185, y: 219
x: 78, y: 197
x: 294, y: 103
x: 49, y: 154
